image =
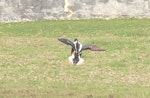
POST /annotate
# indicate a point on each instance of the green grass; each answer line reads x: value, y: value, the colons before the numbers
x: 33, y: 61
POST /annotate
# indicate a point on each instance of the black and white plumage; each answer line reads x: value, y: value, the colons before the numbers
x: 77, y: 49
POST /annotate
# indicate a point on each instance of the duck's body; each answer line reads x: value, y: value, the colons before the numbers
x: 77, y: 49
x: 70, y: 59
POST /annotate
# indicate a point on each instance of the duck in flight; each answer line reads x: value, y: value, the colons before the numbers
x: 77, y: 49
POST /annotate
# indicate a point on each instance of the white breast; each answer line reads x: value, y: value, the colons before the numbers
x: 71, y: 60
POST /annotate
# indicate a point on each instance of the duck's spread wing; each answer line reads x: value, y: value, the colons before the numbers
x: 92, y: 48
x: 66, y: 41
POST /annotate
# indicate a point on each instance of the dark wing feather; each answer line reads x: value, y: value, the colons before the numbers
x: 92, y: 48
x: 66, y: 41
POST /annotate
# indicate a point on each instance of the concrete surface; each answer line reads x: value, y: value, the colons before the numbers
x: 24, y: 10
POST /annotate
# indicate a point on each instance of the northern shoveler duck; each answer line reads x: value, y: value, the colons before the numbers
x: 77, y: 49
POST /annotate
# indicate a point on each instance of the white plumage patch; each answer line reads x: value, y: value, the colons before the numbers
x: 71, y: 60
x: 80, y: 47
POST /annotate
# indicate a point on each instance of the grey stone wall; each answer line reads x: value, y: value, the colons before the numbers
x: 22, y: 10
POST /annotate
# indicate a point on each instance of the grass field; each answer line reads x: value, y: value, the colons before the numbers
x: 33, y: 62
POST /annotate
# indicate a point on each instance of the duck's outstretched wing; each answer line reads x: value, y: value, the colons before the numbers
x: 92, y: 48
x: 68, y: 42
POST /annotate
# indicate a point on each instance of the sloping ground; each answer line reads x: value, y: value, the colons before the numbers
x: 33, y: 61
